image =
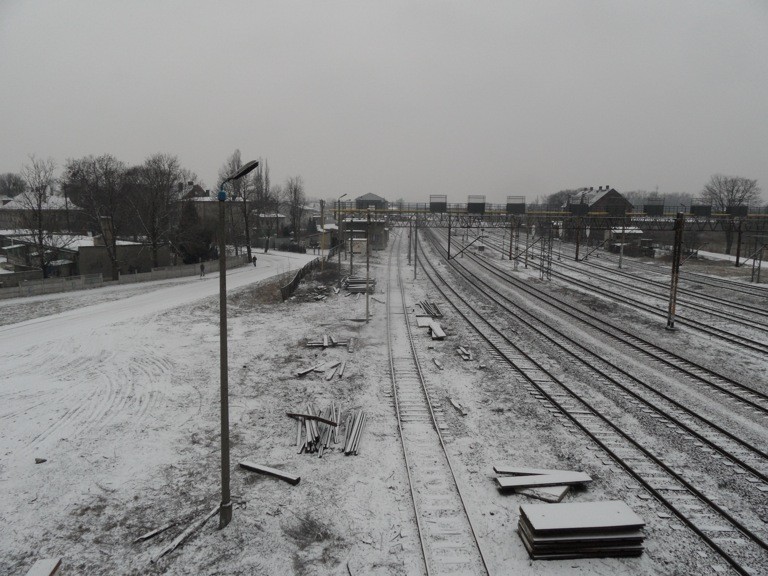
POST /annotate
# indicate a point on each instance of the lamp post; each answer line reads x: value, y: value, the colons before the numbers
x: 339, y: 243
x: 367, y: 263
x: 225, y: 510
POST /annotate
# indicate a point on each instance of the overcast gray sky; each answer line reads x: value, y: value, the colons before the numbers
x: 402, y: 99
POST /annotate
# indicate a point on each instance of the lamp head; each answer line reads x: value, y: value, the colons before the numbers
x: 236, y: 176
x: 243, y: 171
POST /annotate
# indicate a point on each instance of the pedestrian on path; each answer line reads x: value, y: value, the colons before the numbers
x: 254, y: 261
x: 202, y: 269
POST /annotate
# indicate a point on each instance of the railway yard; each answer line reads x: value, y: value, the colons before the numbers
x: 561, y: 365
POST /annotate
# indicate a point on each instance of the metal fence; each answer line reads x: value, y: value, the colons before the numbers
x: 290, y: 288
x: 69, y: 283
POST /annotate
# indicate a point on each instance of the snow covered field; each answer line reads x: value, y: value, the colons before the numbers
x: 105, y: 390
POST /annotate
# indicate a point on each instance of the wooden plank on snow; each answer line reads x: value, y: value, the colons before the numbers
x: 290, y: 478
x: 186, y: 534
x: 525, y: 471
x: 306, y: 371
x: 423, y: 321
x: 154, y: 532
x: 436, y: 330
x: 545, y: 493
x: 507, y: 482
x: 45, y: 567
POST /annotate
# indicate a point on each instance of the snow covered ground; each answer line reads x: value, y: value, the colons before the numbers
x: 102, y: 389
x: 118, y: 390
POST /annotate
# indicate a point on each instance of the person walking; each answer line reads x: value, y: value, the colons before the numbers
x: 202, y: 269
x: 254, y: 261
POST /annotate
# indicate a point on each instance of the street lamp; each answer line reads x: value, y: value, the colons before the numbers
x: 338, y: 240
x: 225, y: 510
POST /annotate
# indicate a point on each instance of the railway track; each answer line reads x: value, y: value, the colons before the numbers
x: 750, y: 397
x: 447, y: 539
x: 707, y: 327
x: 755, y: 290
x: 752, y: 317
x: 741, y: 546
x: 647, y: 398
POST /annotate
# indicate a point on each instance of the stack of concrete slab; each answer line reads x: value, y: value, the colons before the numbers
x: 580, y: 530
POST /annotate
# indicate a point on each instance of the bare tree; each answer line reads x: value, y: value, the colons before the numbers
x: 11, y: 184
x: 240, y: 192
x: 153, y: 192
x: 273, y: 207
x: 262, y: 199
x: 38, y: 210
x: 295, y: 200
x: 559, y: 198
x: 99, y: 186
x: 726, y: 193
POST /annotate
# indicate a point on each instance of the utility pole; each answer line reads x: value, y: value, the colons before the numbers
x: 339, y: 241
x: 527, y: 234
x: 449, y: 236
x: 677, y: 252
x: 517, y: 243
x: 322, y: 234
x: 410, y: 239
x: 621, y: 248
x: 738, y: 243
x: 367, y: 264
x: 578, y: 237
x: 339, y: 246
x: 415, y: 241
x: 511, y: 233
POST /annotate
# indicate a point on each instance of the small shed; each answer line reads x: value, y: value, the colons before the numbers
x: 357, y: 228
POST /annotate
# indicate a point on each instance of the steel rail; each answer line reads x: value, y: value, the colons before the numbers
x: 416, y: 511
x: 520, y: 314
x: 433, y: 418
x: 756, y: 290
x: 633, y: 341
x: 597, y: 414
x: 664, y: 286
x: 723, y: 315
x: 736, y: 339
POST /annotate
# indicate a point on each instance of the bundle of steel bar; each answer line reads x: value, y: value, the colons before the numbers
x: 354, y: 431
x: 431, y: 309
x: 580, y: 530
x: 316, y: 429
